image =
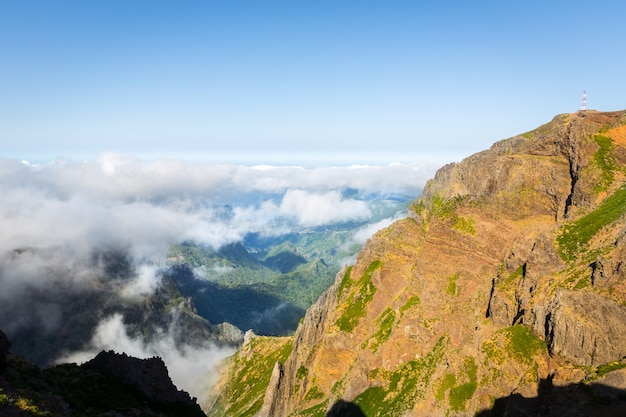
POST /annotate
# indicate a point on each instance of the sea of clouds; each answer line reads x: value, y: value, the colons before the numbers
x: 55, y: 215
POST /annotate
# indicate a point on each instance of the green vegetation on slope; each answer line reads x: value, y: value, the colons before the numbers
x: 466, y: 225
x: 452, y: 288
x: 410, y: 303
x: 282, y: 271
x: 346, y: 282
x: 385, y: 322
x: 602, y: 370
x: 609, y: 367
x: 460, y: 394
x: 362, y: 293
x: 445, y: 209
x: 515, y: 342
x: 406, y: 385
x: 250, y: 375
x: 604, y: 159
x: 573, y: 238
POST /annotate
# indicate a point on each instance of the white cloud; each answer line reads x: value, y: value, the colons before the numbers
x: 316, y: 209
x: 145, y: 205
x: 362, y: 234
x: 143, y: 284
x: 116, y: 176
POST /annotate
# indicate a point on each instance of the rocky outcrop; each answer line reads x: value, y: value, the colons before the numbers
x: 271, y: 402
x: 585, y: 327
x: 149, y: 376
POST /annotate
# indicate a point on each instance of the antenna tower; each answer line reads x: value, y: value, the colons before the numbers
x: 583, y: 106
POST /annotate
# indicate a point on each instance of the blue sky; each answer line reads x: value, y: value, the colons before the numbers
x: 272, y: 80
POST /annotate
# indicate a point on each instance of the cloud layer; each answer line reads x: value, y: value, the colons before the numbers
x: 118, y: 199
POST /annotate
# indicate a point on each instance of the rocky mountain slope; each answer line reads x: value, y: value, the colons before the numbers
x: 503, y: 293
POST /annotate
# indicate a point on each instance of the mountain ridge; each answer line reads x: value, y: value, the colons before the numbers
x: 506, y: 280
x: 111, y: 384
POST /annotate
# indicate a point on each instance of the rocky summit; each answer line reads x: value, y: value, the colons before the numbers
x: 503, y: 293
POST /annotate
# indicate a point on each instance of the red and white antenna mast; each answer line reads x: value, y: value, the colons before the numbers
x: 583, y: 106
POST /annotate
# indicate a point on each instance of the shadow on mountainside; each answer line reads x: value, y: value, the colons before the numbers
x: 589, y: 400
x: 345, y: 409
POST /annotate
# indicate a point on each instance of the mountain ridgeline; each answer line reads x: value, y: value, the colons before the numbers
x: 502, y: 293
x: 109, y: 385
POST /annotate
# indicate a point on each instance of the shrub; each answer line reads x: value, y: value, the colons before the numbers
x: 386, y: 320
x: 361, y: 296
x: 605, y: 161
x: 574, y: 237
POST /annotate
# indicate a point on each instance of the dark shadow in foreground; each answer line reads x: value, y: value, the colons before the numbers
x: 590, y: 400
x: 345, y: 409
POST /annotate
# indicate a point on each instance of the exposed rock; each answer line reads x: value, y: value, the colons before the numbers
x: 616, y: 380
x: 248, y: 336
x: 271, y: 400
x: 586, y: 328
x: 110, y: 385
x: 228, y: 334
x: 281, y: 390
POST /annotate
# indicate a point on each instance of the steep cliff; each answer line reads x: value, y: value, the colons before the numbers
x: 502, y: 292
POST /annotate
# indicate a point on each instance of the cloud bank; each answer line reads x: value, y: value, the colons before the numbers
x: 145, y: 205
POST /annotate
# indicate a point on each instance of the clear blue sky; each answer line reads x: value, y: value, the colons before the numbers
x: 302, y: 79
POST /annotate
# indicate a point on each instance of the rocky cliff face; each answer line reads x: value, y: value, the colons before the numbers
x: 505, y: 283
